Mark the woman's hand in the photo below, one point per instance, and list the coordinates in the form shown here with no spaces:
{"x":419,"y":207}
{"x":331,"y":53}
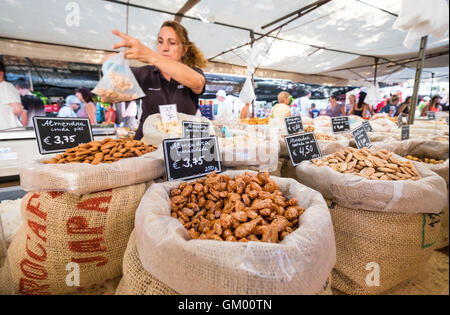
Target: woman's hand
{"x":136,"y":50}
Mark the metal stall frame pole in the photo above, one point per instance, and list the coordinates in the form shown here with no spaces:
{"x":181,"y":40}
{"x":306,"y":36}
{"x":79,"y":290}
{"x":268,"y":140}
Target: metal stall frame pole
{"x":252,"y":38}
{"x":419,"y":66}
{"x":375,"y":74}
{"x":431,"y":88}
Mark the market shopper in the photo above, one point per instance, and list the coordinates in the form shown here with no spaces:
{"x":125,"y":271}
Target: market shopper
{"x":88,"y":109}
{"x":391,"y":107}
{"x":313,"y":112}
{"x":281,"y":109}
{"x":245,"y":112}
{"x":32,"y":105}
{"x":404,"y":107}
{"x":432,"y":105}
{"x":335,"y":109}
{"x":10,"y":105}
{"x":359,"y":108}
{"x":228,"y":105}
{"x":303,"y":106}
{"x":72,"y":104}
{"x":172,"y":74}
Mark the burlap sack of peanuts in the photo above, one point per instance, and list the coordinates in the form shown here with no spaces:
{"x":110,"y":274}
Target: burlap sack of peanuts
{"x":64,"y":233}
{"x":433,"y":149}
{"x":137,"y":281}
{"x":378,"y":250}
{"x":326,"y":147}
{"x":154,"y":135}
{"x":300,"y":264}
{"x":392,"y":223}
{"x":80,"y":178}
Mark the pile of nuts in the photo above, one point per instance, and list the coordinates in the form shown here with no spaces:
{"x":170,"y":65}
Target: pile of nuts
{"x":120,"y":81}
{"x":170,"y":127}
{"x":113,"y":95}
{"x":309,"y":129}
{"x":424,"y":160}
{"x":370,"y":164}
{"x":322,"y":136}
{"x":106,"y":151}
{"x":246,"y":208}
{"x":256,"y":121}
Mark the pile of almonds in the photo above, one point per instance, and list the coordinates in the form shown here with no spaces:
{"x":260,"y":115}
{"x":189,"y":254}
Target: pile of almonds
{"x":424,"y":160}
{"x":370,"y":164}
{"x":106,"y":151}
{"x":247,"y":208}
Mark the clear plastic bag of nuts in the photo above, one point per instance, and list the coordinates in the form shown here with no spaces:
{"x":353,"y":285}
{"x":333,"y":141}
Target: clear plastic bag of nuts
{"x":118,"y":83}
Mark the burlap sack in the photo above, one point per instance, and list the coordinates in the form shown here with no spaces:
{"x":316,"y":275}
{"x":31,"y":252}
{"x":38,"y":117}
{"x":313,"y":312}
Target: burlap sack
{"x":300,"y":264}
{"x":59,"y":228}
{"x":137,"y":281}
{"x":394,"y":224}
{"x":431,"y":149}
{"x":152,"y":135}
{"x":400,"y":244}
{"x":79,"y":178}
{"x":427,"y":195}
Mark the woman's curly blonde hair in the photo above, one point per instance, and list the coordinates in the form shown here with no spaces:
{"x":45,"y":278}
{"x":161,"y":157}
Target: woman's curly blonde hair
{"x":193,"y":57}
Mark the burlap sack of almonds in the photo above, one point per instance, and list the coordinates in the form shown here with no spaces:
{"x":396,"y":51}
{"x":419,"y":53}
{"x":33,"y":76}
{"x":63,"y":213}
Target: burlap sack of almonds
{"x":432,"y":149}
{"x":65,"y":233}
{"x":80,"y":178}
{"x":385,"y":225}
{"x":300,"y":264}
{"x":155,"y":131}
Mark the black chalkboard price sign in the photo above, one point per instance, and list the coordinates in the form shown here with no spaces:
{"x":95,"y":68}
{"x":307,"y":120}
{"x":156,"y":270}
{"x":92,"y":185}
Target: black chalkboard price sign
{"x":431,"y":115}
{"x":195,"y":130}
{"x":405,"y":132}
{"x":302,"y":147}
{"x":54,"y":134}
{"x":367,"y":126}
{"x":340,"y":124}
{"x":294,"y":124}
{"x":191,"y":157}
{"x":361,"y":138}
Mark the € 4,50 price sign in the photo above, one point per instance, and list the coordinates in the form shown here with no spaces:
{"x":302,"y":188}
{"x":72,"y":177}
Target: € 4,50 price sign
{"x":302,"y":147}
{"x":55,"y":134}
{"x":340,"y":124}
{"x":293,"y":124}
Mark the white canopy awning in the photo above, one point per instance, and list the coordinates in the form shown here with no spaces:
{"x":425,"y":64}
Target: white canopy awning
{"x":325,"y":42}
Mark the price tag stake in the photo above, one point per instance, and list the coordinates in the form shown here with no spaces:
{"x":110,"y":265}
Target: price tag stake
{"x":340,"y":124}
{"x":302,"y":147}
{"x":361,"y":138}
{"x":57,"y":134}
{"x":294,"y":124}
{"x":189,"y":158}
{"x":168,"y":113}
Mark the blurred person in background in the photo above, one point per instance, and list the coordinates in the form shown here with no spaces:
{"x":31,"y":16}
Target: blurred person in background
{"x":72,"y":104}
{"x":32,"y":105}
{"x":432,"y":105}
{"x":281,"y":109}
{"x":110,"y":115}
{"x":351,"y":104}
{"x":228,"y":105}
{"x":129,"y":114}
{"x":381,"y":104}
{"x":404,"y":107}
{"x":313,"y":112}
{"x":10,"y":105}
{"x":422,"y":105}
{"x":335,"y":108}
{"x":303,"y":105}
{"x":392,"y":107}
{"x":88,"y":109}
{"x":246,"y":112}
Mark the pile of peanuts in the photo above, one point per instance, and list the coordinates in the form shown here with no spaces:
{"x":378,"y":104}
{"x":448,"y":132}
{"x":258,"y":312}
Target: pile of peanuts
{"x":246,"y":208}
{"x":424,"y":160}
{"x":309,"y":129}
{"x":256,"y":121}
{"x":106,"y":151}
{"x":370,"y":164}
{"x":322,"y":136}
